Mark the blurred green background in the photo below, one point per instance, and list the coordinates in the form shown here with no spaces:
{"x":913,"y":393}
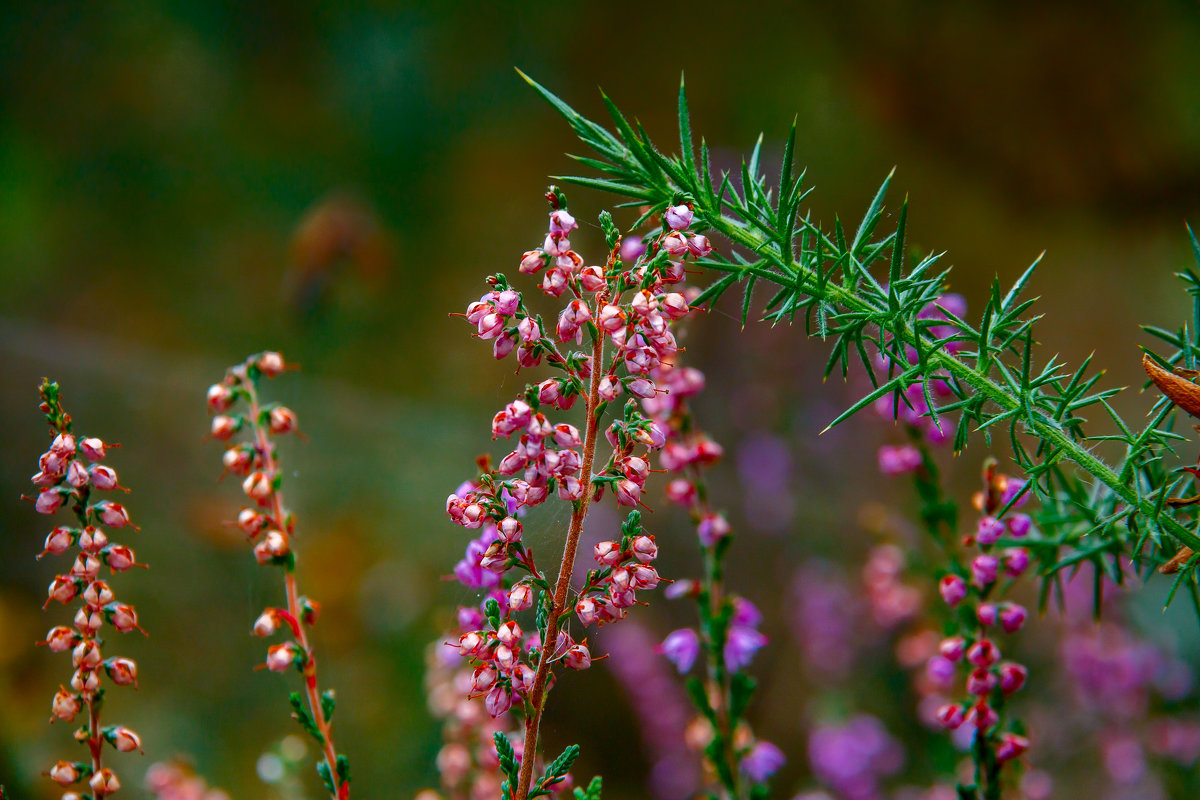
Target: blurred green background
{"x":184,"y":183}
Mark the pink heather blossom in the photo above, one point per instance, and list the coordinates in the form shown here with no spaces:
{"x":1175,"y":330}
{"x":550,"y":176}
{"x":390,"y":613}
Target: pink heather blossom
{"x":678,"y":217}
{"x":951,"y":715}
{"x":1012,"y":677}
{"x":1012,"y":617}
{"x":1011,"y":746}
{"x":1016,"y":560}
{"x":989,"y":531}
{"x":763,"y":761}
{"x":712,"y":528}
{"x":498,"y":700}
{"x":983,"y":570}
{"x":983,"y":653}
{"x":953,"y":589}
{"x":741,"y":644}
{"x":898,"y":460}
{"x":986,"y":613}
{"x":1019,"y":525}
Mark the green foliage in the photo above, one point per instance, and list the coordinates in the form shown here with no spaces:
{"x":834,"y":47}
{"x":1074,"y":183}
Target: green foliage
{"x":302,"y":715}
{"x":1093,"y":511}
{"x":592,"y":792}
{"x":557,"y":770}
{"x":508,"y":763}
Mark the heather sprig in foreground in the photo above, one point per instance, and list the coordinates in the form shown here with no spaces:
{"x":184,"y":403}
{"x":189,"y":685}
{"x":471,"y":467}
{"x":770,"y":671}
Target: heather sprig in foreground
{"x":626,"y":309}
{"x":237,"y":408}
{"x":68,"y":475}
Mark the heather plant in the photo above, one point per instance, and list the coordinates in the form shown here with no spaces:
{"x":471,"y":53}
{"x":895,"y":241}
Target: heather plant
{"x":236,"y":407}
{"x":69,"y":474}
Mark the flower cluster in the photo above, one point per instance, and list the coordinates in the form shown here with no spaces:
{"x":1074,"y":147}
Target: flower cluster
{"x":68,"y":474}
{"x":467,"y":761}
{"x":234,"y":403}
{"x":177,"y":781}
{"x":972,"y":592}
{"x":911,"y":406}
{"x":626,"y":307}
{"x":728,"y":634}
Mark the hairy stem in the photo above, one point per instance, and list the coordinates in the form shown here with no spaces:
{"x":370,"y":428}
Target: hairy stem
{"x":538,"y":695}
{"x":311,"y":690}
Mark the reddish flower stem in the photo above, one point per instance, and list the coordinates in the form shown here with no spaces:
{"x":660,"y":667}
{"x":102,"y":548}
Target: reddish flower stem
{"x":313,"y":694}
{"x":538,"y":695}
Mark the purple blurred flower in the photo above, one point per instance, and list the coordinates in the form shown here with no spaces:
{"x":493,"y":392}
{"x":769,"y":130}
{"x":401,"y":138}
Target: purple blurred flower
{"x":898,"y":459}
{"x":823,"y":613}
{"x":681,"y":648}
{"x":852,"y":758}
{"x":741,"y":643}
{"x":763,"y":761}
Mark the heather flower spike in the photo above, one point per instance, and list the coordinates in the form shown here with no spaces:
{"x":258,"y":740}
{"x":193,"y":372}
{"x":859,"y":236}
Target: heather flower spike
{"x":237,"y":407}
{"x":68,"y":476}
{"x":623,"y":315}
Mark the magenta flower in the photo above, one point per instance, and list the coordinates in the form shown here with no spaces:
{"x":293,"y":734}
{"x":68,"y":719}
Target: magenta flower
{"x":681,"y":648}
{"x":763,"y":761}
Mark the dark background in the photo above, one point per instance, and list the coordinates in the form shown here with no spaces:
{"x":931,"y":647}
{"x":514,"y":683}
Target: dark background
{"x":184,"y":183}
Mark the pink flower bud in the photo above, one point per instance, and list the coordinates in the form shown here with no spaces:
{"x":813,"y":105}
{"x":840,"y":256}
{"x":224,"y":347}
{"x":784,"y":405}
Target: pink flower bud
{"x":1019,"y":525}
{"x":1011,"y":746}
{"x":282,"y":420}
{"x":641,"y":387}
{"x":610,"y":388}
{"x":953,"y":647}
{"x":711,"y":529}
{"x":510,"y":529}
{"x":674,"y":305}
{"x":92,"y":540}
{"x":49,"y":501}
{"x":1012,"y":677}
{"x":86,"y":655}
{"x":643,"y":303}
{"x":281,"y":657}
{"x":510,"y":634}
{"x":1012,"y":617}
{"x":112,"y":514}
{"x":124,"y":740}
{"x":65,"y":705}
{"x":554,"y":282}
{"x":123,"y":618}
{"x":644,"y":549}
{"x":491,"y":326}
{"x":951,"y":716}
{"x":61,"y":638}
{"x":89,"y":620}
{"x":678,"y":217}
{"x":258,"y":487}
{"x":472,"y":644}
{"x":224,"y":427}
{"x":58,"y":541}
{"x":104,"y":478}
{"x":104,"y":782}
{"x":1016,"y":561}
{"x":983,"y":570}
{"x":267,"y":623}
{"x":532,"y":261}
{"x":520,"y":597}
{"x":644,"y":577}
{"x":238,"y":459}
{"x":502,"y":347}
{"x":628,"y":493}
{"x":578,"y":657}
{"x":608,"y":553}
{"x":699,"y":246}
{"x":63,"y":445}
{"x":86,"y":567}
{"x":274,"y":545}
{"x":63,"y":589}
{"x":250,"y":521}
{"x":586,"y":609}
{"x":611,"y":318}
{"x":681,"y":491}
{"x":122,"y":671}
{"x":498,"y":700}
{"x":64,"y":773}
{"x":953,"y":589}
{"x":97,"y":594}
{"x":566,"y":435}
{"x":986,"y":614}
{"x":983,"y":653}
{"x":77,"y":474}
{"x":592,"y":279}
{"x":529,"y":331}
{"x":981,"y":681}
{"x":271,"y":364}
{"x":676,"y":244}
{"x":85,"y":681}
{"x":483,"y":678}
{"x":561,"y":223}
{"x":220,"y":398}
{"x":989,"y":531}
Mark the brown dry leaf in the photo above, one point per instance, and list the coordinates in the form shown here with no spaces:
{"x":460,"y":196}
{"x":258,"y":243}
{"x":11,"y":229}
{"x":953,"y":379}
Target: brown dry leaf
{"x":1178,"y":390}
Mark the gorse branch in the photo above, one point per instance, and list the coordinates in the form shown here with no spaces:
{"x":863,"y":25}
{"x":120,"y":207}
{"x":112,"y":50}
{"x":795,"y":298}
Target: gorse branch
{"x":880,"y":317}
